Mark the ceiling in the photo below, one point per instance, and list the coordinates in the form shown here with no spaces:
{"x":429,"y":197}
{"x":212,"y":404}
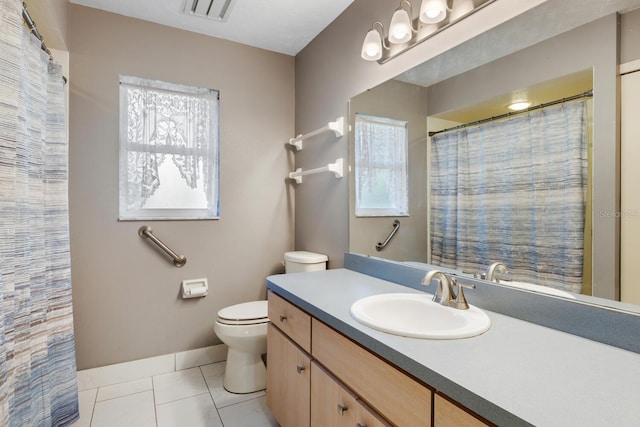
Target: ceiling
{"x":552,"y":90}
{"x":284,"y":26}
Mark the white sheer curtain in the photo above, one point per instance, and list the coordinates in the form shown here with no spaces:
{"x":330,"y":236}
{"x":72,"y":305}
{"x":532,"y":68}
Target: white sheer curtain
{"x":162,"y":121}
{"x":37,"y":356}
{"x":381,"y":146}
{"x":513,"y":191}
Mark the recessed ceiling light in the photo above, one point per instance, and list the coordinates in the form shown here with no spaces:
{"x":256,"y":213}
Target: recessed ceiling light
{"x":519,"y":105}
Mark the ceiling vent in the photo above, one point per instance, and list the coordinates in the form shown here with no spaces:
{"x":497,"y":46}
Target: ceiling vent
{"x":213,"y":9}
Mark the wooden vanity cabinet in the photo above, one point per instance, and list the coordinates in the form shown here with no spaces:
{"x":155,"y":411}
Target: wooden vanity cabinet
{"x":288,"y":380}
{"x":316,"y":377}
{"x":448,"y":414}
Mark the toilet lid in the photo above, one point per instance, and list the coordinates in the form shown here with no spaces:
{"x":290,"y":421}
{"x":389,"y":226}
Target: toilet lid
{"x":248,"y":312}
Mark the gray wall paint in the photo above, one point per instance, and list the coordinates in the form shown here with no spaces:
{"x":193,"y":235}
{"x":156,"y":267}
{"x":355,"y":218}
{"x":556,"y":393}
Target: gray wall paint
{"x":126,"y":294}
{"x":630,"y":36}
{"x":52,"y":20}
{"x":592,"y":46}
{"x":401,"y":101}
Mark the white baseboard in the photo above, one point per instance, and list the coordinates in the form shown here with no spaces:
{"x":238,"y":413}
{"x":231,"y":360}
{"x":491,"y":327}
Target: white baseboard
{"x":128,"y":371}
{"x":201,"y":356}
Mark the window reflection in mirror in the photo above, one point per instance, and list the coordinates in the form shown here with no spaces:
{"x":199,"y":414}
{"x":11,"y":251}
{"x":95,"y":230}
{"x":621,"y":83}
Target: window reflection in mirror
{"x":381,"y":166}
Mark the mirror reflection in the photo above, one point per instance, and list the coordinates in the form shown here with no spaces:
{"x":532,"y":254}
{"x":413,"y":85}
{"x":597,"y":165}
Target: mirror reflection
{"x":519,"y":199}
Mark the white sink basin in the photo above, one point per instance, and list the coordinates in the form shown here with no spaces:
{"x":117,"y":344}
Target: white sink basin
{"x":417,"y":316}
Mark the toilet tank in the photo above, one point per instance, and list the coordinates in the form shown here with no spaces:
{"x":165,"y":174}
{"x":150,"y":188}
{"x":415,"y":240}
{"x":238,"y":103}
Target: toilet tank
{"x":303,"y":261}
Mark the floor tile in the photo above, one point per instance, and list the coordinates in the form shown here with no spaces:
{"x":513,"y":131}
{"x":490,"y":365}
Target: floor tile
{"x":214,"y":376}
{"x":178,"y":385}
{"x":86,"y":400}
{"x":135,"y":410}
{"x":124,"y":389}
{"x":198,"y":411}
{"x":252,"y":413}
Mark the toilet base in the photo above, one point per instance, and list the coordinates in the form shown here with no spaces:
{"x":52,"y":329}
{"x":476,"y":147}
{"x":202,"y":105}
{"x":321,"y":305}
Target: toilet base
{"x":244,"y":372}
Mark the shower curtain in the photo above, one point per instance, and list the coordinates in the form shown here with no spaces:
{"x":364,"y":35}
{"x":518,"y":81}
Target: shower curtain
{"x":513,"y":191}
{"x":38,"y":383}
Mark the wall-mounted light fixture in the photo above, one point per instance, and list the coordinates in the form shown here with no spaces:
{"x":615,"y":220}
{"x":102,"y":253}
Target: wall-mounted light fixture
{"x":406,"y":32}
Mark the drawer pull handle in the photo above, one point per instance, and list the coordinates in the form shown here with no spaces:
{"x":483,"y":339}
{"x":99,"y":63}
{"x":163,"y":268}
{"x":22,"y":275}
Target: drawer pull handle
{"x":361,"y":425}
{"x":283,"y":317}
{"x":342,"y":408}
{"x":300,"y":368}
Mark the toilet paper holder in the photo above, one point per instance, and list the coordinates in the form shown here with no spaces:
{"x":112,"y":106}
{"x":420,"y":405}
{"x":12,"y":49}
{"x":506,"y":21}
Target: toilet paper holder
{"x":195,"y":288}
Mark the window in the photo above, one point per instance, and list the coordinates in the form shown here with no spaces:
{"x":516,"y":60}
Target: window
{"x":381,"y":166}
{"x":169,"y":143}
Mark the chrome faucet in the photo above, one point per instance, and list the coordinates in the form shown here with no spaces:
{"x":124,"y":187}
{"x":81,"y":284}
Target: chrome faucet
{"x":444,"y":294}
{"x":493,"y":268}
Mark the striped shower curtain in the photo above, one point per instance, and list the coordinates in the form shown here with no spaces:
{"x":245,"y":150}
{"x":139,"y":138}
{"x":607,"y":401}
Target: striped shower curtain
{"x":38,"y":384}
{"x":513,"y":191}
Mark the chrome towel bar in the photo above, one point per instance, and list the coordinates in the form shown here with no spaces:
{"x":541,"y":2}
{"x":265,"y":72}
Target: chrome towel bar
{"x":147,"y":233}
{"x":396,"y":227}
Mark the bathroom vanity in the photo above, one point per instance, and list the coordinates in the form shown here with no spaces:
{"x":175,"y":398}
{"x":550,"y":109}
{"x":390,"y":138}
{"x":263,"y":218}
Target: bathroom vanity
{"x":328,"y":379}
{"x":325,"y":368}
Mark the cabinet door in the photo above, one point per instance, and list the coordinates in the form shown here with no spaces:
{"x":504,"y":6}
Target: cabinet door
{"x":288,"y":380}
{"x":446,"y":414}
{"x":333,"y":405}
{"x":397,"y":397}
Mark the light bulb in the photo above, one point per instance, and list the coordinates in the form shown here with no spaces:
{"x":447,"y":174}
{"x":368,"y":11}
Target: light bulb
{"x":372,"y":46}
{"x":519,"y":105}
{"x":433,"y":11}
{"x":400,"y":28}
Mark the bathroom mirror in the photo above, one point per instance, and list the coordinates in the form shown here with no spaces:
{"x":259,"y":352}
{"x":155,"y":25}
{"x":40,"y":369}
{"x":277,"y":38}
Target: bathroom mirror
{"x":553,"y":60}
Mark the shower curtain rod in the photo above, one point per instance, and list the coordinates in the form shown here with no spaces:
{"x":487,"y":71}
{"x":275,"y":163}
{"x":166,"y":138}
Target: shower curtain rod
{"x":34,"y":30}
{"x":586,"y":94}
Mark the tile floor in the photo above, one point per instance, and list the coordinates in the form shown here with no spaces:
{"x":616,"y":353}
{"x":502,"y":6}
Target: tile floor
{"x":192,"y":397}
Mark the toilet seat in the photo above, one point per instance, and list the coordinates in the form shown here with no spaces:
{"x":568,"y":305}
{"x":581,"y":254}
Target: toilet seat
{"x":248,"y":313}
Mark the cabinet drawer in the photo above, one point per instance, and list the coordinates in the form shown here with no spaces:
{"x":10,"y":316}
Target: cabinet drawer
{"x":447,"y":414}
{"x":290,"y":320}
{"x":333,"y":405}
{"x":393,"y":394}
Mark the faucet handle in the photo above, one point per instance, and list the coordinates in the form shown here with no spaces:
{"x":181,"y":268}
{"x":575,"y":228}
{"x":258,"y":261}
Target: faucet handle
{"x":460,"y":301}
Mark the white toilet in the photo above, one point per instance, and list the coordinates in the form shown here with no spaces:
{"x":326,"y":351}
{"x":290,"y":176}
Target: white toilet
{"x":243,"y":328}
